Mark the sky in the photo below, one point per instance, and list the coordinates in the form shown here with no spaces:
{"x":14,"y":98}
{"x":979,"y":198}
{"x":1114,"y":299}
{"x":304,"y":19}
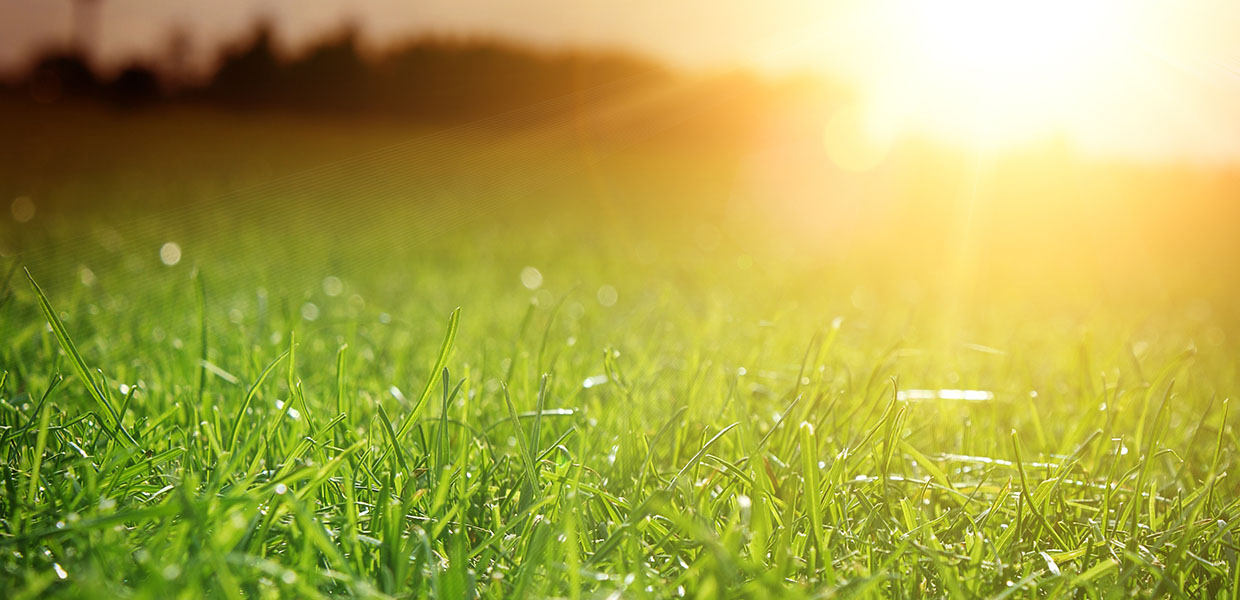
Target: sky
{"x":1147,"y":78}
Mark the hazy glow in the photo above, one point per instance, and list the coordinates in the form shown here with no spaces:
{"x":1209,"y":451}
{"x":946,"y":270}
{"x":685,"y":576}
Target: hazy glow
{"x":1005,"y":47}
{"x":1149,"y":78}
{"x":996,"y":70}
{"x":853,"y":141}
{"x":1145,"y":78}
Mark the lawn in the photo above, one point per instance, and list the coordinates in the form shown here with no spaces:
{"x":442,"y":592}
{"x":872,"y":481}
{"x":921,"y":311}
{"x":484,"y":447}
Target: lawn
{"x":260,"y":356}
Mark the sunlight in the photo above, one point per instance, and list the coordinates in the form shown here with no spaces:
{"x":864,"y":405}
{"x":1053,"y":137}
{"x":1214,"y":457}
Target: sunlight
{"x":998,"y":72}
{"x":993,"y":73}
{"x":1003,"y":47}
{"x":852,"y":141}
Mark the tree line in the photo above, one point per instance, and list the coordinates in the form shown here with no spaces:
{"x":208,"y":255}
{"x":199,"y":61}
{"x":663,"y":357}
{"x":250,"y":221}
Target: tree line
{"x":427,"y":78}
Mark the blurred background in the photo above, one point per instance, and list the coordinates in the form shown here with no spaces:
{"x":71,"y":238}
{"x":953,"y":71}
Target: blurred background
{"x":1056,"y":158}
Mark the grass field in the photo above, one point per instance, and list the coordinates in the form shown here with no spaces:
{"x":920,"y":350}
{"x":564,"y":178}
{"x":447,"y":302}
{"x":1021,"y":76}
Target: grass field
{"x":264,"y":359}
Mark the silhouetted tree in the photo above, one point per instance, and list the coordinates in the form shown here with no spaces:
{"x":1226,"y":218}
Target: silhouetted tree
{"x":134,"y":86}
{"x":250,"y":76}
{"x":61,"y":75}
{"x":331,"y":75}
{"x":426,"y":79}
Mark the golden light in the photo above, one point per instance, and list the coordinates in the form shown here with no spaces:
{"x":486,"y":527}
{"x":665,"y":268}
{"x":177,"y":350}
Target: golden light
{"x":993,"y":72}
{"x":852,"y":141}
{"x":997,"y":47}
{"x":999,"y":69}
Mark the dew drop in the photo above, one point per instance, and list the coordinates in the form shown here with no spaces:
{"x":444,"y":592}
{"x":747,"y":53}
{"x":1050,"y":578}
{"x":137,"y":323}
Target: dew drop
{"x":332,"y":286}
{"x":170,"y":253}
{"x":23,"y":211}
{"x":607,"y":295}
{"x":309,"y":311}
{"x":531,"y":278}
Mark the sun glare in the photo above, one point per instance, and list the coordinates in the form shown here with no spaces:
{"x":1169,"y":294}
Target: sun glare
{"x":998,"y":46}
{"x":993,"y":72}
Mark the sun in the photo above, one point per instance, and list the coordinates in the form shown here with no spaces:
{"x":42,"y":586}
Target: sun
{"x":999,"y":46}
{"x":992,"y":71}
{"x":1004,"y":69}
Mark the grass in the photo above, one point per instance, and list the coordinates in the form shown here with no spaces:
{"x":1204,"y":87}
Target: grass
{"x":338,"y":392}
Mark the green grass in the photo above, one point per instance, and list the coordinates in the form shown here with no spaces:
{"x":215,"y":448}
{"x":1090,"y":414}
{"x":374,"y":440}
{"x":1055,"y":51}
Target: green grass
{"x":341,"y":391}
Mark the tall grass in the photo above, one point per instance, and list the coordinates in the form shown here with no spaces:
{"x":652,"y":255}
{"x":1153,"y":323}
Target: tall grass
{"x":317,"y":403}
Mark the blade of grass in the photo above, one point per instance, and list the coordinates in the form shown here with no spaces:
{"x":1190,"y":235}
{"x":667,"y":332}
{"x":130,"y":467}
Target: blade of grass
{"x":392,"y":439}
{"x":454,"y":321}
{"x":200,"y":296}
{"x":79,"y":365}
{"x":527,"y":458}
{"x":249,"y":399}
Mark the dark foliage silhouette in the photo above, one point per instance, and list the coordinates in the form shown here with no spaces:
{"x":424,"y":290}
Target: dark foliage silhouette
{"x":430,"y":79}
